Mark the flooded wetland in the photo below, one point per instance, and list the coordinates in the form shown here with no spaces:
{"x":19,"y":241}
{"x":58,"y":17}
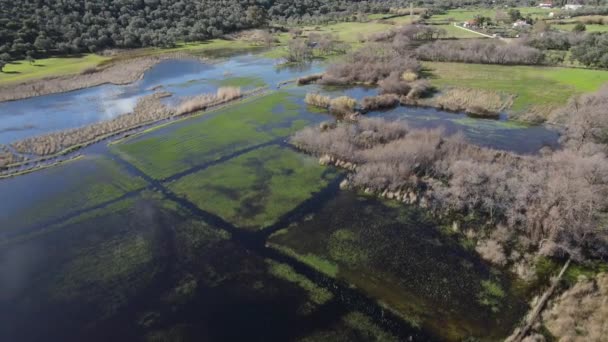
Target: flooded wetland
{"x":214,"y":227}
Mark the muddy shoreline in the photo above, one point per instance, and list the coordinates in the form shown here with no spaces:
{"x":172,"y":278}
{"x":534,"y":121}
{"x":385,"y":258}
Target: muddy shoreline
{"x":119,"y":72}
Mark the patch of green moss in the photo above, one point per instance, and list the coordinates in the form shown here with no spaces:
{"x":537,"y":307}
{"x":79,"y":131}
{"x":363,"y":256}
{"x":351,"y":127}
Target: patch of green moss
{"x":252,"y":191}
{"x":317,"y":295}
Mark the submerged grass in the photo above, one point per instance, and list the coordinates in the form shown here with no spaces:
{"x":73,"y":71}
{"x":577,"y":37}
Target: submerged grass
{"x":244,"y":82}
{"x":317,"y":295}
{"x":393,"y":254}
{"x":175,"y":148}
{"x":252,"y":191}
{"x":55,"y":192}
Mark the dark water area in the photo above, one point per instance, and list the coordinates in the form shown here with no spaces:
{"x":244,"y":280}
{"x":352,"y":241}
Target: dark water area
{"x":125,"y":244}
{"x":499,"y":134}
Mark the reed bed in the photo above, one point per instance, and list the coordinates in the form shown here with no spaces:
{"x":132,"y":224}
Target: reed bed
{"x":474,"y":101}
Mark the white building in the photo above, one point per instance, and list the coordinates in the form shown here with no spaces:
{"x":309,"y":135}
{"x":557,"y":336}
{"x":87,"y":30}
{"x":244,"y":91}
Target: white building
{"x":572,"y":7}
{"x":520,"y":24}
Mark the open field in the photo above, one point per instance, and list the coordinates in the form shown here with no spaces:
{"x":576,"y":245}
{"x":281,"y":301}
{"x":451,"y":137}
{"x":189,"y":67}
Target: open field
{"x":22,"y":70}
{"x":176,"y":148}
{"x":458,"y":33}
{"x":589,"y":28}
{"x":535,"y":88}
{"x":460,"y":15}
{"x":254,"y":190}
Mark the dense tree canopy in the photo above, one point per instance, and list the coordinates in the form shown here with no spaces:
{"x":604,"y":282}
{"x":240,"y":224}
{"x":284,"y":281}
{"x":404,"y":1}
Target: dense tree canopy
{"x":43,"y":27}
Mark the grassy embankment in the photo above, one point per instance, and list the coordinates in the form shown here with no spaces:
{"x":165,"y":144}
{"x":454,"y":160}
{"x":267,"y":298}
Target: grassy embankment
{"x":536,"y":89}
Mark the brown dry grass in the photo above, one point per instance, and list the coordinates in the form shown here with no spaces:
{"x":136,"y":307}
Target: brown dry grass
{"x":474,"y":101}
{"x":7,"y":158}
{"x":342,"y":105}
{"x":203,"y":101}
{"x":148,"y":109}
{"x":317,"y":100}
{"x":580,"y":313}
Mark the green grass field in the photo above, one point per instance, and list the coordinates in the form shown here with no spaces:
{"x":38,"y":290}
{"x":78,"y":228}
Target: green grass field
{"x":458,"y":33}
{"x":536,"y":88}
{"x":175,"y":148}
{"x":23,"y":70}
{"x":254,"y":190}
{"x":589,"y":28}
{"x":460,"y":15}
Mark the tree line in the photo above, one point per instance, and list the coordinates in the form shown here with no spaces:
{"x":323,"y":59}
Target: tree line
{"x":38,"y":28}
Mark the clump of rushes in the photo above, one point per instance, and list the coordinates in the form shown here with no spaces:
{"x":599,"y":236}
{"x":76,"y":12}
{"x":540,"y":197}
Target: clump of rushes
{"x":370,"y":103}
{"x":317,"y":100}
{"x":203,"y":101}
{"x":474,"y":101}
{"x":342,"y":105}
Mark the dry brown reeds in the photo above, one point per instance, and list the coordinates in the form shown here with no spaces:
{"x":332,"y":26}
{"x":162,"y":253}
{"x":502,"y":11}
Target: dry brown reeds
{"x":7,"y":157}
{"x":553,"y":197}
{"x":317,"y":100}
{"x":474,"y":101}
{"x":370,"y":103}
{"x":148,"y":109}
{"x":342,"y":105}
{"x":580,"y":313}
{"x":204,"y":101}
{"x":304,"y":80}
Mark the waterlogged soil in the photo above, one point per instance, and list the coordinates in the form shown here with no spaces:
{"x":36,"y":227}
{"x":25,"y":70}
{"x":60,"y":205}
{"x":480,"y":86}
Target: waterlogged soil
{"x":145,"y":270}
{"x":399,"y":257}
{"x":494,"y":133}
{"x":214,"y":229}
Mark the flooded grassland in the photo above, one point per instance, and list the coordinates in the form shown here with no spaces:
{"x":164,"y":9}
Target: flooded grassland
{"x":214,"y":228}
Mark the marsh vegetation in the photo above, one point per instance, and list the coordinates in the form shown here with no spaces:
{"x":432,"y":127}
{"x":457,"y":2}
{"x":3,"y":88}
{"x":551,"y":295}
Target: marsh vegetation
{"x":160,"y":235}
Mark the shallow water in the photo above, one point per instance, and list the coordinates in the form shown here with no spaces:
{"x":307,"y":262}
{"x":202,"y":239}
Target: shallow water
{"x":494,"y":133}
{"x":167,"y":235}
{"x":44,"y":114}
